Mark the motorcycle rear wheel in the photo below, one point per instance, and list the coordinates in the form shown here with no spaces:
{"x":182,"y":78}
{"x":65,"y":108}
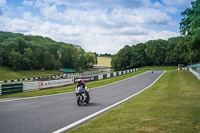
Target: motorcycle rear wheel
{"x":88,"y":100}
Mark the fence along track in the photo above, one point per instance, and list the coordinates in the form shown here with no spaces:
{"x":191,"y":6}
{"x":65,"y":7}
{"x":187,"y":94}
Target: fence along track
{"x":195,"y":69}
{"x":37,"y":85}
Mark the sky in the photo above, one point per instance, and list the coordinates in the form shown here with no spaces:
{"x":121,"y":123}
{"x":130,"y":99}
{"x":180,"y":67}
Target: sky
{"x":101,"y":26}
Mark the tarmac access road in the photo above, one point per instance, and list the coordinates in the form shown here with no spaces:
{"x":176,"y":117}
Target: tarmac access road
{"x":47,"y":114}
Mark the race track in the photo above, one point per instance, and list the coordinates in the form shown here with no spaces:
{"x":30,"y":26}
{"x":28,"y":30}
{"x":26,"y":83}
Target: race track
{"x":50,"y":113}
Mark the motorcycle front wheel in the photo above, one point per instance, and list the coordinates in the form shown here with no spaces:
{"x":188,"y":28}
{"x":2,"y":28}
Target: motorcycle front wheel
{"x":79,"y":100}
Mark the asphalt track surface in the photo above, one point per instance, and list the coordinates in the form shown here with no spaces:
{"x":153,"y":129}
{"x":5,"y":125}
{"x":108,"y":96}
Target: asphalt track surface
{"x":50,"y":113}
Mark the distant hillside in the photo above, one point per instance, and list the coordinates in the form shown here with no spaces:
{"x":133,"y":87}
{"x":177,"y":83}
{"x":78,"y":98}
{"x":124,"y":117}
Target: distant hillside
{"x":104,"y":61}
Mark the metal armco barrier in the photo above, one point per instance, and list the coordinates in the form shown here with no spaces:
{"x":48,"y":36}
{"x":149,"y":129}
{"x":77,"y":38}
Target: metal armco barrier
{"x":11,"y":88}
{"x":96,"y":78}
{"x":111,"y":75}
{"x":195,"y":73}
{"x":104,"y":76}
{"x":117,"y":73}
{"x":195,"y":69}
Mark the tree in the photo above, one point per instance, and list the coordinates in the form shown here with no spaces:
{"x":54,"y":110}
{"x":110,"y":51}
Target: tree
{"x":15,"y":59}
{"x":121,"y":60}
{"x":80,"y":62}
{"x":28,"y":59}
{"x":91,"y":59}
{"x":138,"y":57}
{"x":191,"y":18}
{"x":115,"y":62}
{"x":2,"y":52}
{"x":190,"y":28}
{"x":36,"y":52}
{"x":155,"y":50}
{"x":172,"y":54}
{"x":65,"y":57}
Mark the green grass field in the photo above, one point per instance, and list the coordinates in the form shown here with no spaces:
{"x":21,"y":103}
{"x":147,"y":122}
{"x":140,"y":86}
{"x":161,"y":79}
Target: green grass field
{"x":71,"y":88}
{"x":104,"y":61}
{"x":172,"y":104}
{"x":8,"y":74}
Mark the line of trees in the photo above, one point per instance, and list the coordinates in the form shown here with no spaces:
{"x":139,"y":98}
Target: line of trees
{"x":105,"y":55}
{"x":178,"y":50}
{"x":22,"y":52}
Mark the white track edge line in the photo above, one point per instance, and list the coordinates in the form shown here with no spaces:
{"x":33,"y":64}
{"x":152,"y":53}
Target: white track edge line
{"x":10,"y":100}
{"x":103,"y":110}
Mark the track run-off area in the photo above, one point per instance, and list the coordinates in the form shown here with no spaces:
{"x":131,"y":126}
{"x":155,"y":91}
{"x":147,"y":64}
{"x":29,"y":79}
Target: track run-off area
{"x":60,"y":112}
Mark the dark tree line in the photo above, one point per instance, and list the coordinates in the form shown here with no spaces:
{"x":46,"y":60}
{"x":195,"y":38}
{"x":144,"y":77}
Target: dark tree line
{"x":105,"y":55}
{"x":177,"y":50}
{"x":22,"y":52}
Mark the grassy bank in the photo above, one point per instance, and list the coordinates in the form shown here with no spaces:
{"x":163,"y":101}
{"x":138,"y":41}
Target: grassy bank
{"x":172,"y":104}
{"x":104,"y":61}
{"x":8,"y":74}
{"x":72,"y":87}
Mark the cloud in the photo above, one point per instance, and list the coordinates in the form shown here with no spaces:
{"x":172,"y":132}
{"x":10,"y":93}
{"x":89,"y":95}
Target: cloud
{"x":114,"y":18}
{"x":2,"y":3}
{"x":2,"y":6}
{"x":96,"y":26}
{"x":91,"y":38}
{"x":50,"y":11}
{"x":28,"y":2}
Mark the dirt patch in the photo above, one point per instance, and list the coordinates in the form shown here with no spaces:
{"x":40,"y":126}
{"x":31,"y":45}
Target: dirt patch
{"x":146,"y":119}
{"x":176,"y":122}
{"x":198,"y":127}
{"x":148,"y":129}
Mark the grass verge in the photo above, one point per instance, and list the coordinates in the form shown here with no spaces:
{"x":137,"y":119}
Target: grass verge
{"x":71,"y":88}
{"x":172,"y":104}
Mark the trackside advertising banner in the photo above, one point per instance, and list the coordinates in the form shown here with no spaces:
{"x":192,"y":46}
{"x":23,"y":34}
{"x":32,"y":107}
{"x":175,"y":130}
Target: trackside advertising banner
{"x":85,"y":79}
{"x":54,"y":83}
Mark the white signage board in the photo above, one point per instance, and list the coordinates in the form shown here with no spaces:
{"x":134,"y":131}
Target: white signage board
{"x":55,"y":83}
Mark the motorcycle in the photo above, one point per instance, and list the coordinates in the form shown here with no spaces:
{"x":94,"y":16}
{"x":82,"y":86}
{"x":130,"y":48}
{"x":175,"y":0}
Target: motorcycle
{"x":81,"y":95}
{"x":152,"y":71}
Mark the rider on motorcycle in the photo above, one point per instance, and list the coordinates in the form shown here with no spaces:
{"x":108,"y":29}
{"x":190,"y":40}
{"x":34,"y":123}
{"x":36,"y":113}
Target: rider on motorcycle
{"x":83,"y":85}
{"x":152,"y":71}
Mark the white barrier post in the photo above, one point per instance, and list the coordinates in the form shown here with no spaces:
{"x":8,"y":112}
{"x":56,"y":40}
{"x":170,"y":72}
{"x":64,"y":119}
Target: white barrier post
{"x":114,"y":74}
{"x":108,"y":75}
{"x":100,"y":77}
{"x":120,"y":73}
